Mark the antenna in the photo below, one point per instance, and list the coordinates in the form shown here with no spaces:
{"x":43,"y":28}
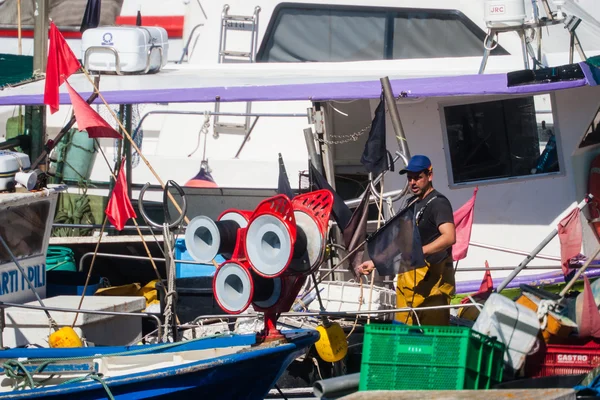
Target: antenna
{"x":509,"y":16}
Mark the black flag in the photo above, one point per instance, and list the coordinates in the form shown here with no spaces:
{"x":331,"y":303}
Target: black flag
{"x":138,"y":18}
{"x":283,"y":184}
{"x":375,"y":157}
{"x":341,"y":212}
{"x":396,"y":247}
{"x":91,"y":16}
{"x":356,"y":232}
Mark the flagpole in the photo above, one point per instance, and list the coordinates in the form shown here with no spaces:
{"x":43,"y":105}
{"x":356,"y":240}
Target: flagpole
{"x":535,"y":251}
{"x":373,"y":273}
{"x":137,"y":149}
{"x":135,"y":223}
{"x":19,"y":33}
{"x":87,"y":279}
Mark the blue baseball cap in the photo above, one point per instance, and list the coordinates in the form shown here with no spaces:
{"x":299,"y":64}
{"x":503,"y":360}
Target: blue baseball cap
{"x":417,"y":163}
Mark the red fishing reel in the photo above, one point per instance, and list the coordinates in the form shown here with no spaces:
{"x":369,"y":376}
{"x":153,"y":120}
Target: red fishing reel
{"x":282,"y":244}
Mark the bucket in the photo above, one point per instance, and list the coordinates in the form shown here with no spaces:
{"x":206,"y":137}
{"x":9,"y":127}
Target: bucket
{"x":74,"y":156}
{"x":194,"y":297}
{"x":68,"y":283}
{"x":60,"y":259}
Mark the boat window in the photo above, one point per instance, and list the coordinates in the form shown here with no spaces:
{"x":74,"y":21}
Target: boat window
{"x":592,"y":135}
{"x":329,"y":33}
{"x":23,"y":228}
{"x":501,"y":139}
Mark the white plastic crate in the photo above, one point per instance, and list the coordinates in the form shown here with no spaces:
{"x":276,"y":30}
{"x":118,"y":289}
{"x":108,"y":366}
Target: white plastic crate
{"x":344,"y":296}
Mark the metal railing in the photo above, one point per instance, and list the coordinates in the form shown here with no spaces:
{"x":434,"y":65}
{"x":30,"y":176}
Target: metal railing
{"x":128,"y":257}
{"x":202,"y":113}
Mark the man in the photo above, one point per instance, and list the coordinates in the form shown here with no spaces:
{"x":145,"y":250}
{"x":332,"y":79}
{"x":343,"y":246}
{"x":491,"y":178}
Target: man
{"x":432,"y":284}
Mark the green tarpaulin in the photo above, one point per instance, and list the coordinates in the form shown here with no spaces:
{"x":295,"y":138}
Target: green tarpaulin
{"x":15,"y":69}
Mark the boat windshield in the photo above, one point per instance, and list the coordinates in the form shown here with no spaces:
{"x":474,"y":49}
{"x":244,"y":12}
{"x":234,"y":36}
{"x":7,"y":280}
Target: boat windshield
{"x":23,"y":228}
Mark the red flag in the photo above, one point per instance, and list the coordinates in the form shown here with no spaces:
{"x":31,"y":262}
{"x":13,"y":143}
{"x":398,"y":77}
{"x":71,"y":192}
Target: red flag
{"x":463,"y":221}
{"x":119,"y":208}
{"x":88,"y":119}
{"x":486,"y":288}
{"x":570,"y":236}
{"x":62,"y":63}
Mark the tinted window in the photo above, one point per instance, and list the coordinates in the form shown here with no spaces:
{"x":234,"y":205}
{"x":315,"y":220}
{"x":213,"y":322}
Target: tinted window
{"x":592,"y":135}
{"x":299,"y":33}
{"x":500,"y":139}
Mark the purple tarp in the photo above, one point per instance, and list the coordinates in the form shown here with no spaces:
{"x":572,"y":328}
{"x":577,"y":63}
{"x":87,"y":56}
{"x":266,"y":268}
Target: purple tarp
{"x":548,"y":278}
{"x":464,"y":85}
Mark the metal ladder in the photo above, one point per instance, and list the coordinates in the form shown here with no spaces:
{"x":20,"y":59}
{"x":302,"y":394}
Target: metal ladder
{"x":240,"y":23}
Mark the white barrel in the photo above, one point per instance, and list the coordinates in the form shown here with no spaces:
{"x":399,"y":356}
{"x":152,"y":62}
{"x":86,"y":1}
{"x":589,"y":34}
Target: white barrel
{"x":504,"y":13}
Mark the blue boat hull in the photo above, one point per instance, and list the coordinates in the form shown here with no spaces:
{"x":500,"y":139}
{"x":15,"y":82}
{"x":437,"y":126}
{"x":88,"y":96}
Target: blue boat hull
{"x":248,"y":374}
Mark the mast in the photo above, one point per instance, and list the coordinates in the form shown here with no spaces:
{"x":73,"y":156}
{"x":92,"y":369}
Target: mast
{"x":35,"y":116}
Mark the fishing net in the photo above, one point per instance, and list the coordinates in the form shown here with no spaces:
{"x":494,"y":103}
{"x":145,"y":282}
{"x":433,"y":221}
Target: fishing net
{"x":137,"y":134}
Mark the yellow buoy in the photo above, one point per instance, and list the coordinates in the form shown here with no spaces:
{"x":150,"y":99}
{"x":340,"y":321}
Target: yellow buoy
{"x":64,"y":337}
{"x":332,"y":346}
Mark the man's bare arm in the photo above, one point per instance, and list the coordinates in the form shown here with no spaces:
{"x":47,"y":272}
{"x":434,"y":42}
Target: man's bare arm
{"x":446,"y":240}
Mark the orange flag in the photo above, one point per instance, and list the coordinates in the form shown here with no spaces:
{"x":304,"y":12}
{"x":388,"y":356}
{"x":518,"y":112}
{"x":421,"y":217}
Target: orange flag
{"x":119,"y":208}
{"x":571,"y":237}
{"x":88,"y":119}
{"x":463,"y":221}
{"x":62,"y":63}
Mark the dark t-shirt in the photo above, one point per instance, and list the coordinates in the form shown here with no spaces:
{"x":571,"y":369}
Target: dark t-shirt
{"x":431,"y":212}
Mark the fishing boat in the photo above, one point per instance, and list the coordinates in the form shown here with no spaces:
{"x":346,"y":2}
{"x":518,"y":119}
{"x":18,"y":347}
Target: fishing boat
{"x":443,"y":115}
{"x":201,"y":367}
{"x":245,"y":171}
{"x":197,"y":366}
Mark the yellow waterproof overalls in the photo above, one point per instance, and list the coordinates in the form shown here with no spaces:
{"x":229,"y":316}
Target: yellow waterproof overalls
{"x":431,"y":285}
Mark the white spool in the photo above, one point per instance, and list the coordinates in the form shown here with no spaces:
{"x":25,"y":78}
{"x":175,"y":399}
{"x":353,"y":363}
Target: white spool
{"x":202,"y":239}
{"x":314,"y":240}
{"x":269,"y":245}
{"x":233,"y":287}
{"x":235,"y":216}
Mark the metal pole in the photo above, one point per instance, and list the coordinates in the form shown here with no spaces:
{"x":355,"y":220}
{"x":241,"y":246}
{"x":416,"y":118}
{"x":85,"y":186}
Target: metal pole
{"x":127,"y":148}
{"x":535,"y":251}
{"x":40,"y":35}
{"x":19,"y":30}
{"x":246,"y":137}
{"x":578,"y":274}
{"x":215,"y":113}
{"x":37,"y":121}
{"x":315,"y":157}
{"x":393,"y":110}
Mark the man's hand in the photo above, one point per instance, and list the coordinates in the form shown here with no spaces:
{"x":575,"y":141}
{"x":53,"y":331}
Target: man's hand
{"x":366,"y":267}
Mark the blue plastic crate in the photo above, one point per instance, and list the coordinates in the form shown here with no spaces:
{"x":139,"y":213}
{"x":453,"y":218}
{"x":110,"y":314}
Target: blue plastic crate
{"x":183,"y":270}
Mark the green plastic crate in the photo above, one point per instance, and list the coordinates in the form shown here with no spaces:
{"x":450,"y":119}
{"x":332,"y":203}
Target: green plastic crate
{"x":402,"y":357}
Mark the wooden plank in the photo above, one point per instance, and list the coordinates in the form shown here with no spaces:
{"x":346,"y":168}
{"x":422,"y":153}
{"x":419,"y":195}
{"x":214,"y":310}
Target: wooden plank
{"x":494,"y":394}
